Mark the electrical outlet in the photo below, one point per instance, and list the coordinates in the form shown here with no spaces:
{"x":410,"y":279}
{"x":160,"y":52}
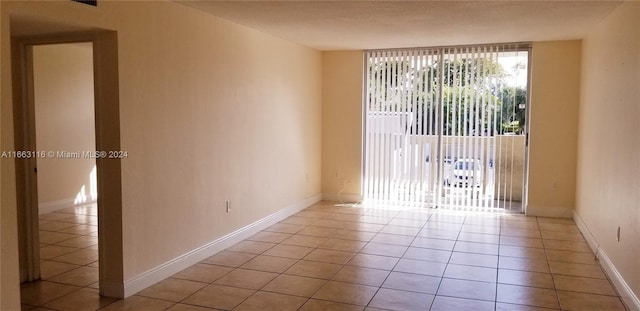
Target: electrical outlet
{"x":228,"y":205}
{"x":618,"y":234}
{"x":337,"y":174}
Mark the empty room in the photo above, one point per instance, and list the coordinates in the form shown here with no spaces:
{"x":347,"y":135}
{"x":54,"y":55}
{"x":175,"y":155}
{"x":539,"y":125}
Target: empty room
{"x":320,"y":155}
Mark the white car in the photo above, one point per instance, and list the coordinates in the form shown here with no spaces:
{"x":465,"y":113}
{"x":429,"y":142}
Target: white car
{"x":467,"y":172}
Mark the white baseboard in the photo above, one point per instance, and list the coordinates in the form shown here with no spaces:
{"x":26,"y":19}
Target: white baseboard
{"x":629,"y":298}
{"x":342,"y":197}
{"x":549,"y":211}
{"x":188,"y":259}
{"x":48,"y":207}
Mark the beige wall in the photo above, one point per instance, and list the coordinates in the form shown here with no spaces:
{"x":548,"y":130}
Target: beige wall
{"x":2,"y":241}
{"x":608,"y":189}
{"x":342,"y":124}
{"x":63,"y":93}
{"x":9,"y":271}
{"x":229,"y":114}
{"x":209,"y":111}
{"x":555,"y":92}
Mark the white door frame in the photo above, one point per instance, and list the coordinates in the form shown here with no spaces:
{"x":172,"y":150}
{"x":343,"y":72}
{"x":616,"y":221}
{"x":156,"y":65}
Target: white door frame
{"x":107,"y":131}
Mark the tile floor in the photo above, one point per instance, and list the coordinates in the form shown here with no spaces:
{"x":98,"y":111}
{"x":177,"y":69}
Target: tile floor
{"x":330,"y":257}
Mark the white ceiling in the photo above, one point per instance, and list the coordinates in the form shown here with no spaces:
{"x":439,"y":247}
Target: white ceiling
{"x":346,"y":25}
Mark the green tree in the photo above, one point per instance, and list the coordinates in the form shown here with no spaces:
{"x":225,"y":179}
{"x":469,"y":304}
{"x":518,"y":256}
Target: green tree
{"x":388,"y":78}
{"x":474,"y":100}
{"x":470,"y":95}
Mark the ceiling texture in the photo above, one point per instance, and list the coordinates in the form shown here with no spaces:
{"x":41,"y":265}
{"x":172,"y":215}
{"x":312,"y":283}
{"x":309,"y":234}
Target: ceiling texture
{"x":357,"y":25}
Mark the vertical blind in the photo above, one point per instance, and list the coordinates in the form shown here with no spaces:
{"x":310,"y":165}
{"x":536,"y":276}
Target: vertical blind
{"x":446,"y":126}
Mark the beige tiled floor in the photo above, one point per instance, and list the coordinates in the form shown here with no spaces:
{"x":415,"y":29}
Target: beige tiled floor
{"x":331,"y":257}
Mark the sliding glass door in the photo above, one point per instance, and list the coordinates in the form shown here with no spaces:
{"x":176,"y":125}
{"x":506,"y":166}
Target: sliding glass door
{"x":446,"y":126}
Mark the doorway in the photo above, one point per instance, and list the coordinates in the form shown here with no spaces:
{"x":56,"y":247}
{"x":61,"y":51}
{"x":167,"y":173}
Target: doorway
{"x":447,"y":127}
{"x":62,"y":87}
{"x":74,"y":215}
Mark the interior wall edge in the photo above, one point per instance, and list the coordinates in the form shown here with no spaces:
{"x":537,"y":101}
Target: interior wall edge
{"x":586,"y":233}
